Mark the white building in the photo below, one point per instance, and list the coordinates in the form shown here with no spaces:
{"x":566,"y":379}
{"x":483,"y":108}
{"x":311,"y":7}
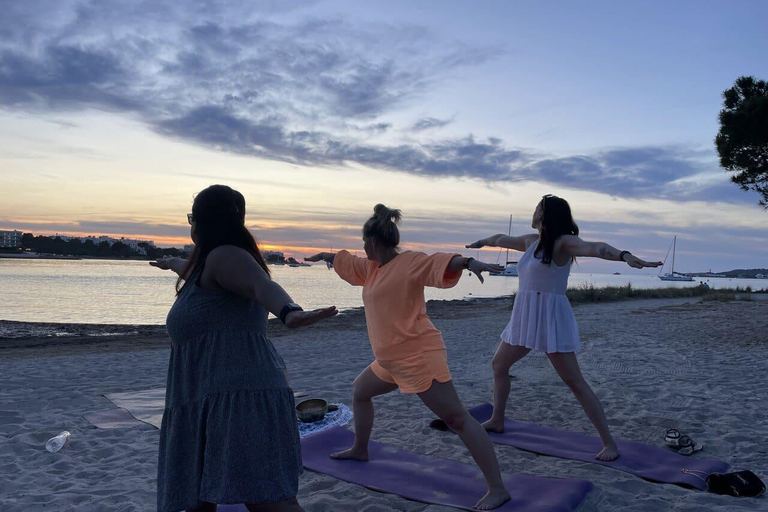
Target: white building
{"x":133,"y":243}
{"x":10,"y":238}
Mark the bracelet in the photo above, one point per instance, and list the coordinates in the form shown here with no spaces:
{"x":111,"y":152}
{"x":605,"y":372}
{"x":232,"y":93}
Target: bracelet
{"x":291,"y":306}
{"x":466,"y":263}
{"x":621,"y":255}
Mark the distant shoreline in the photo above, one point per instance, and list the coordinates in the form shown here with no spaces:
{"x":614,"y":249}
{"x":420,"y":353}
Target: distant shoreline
{"x":57,"y":332}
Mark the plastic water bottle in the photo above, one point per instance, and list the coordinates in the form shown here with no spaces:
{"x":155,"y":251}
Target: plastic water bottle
{"x":55,"y":444}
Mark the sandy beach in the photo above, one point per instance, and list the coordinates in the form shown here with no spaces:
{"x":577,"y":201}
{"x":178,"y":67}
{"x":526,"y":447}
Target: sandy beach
{"x":697,"y":366}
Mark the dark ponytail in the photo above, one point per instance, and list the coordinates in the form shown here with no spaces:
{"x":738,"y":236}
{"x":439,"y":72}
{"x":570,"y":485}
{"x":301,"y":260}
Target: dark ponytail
{"x":383,"y":226}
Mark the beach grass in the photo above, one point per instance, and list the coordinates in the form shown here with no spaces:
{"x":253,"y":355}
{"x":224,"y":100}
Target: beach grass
{"x":587,"y":293}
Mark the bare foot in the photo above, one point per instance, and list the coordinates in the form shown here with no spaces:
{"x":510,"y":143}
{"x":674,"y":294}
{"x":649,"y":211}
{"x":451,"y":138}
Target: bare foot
{"x":351,"y":454}
{"x":493,"y":499}
{"x":496,"y":426}
{"x":609,"y":453}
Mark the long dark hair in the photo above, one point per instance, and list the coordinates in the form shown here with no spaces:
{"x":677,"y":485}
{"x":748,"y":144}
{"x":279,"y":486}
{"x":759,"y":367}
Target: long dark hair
{"x":556,"y":221}
{"x":219,"y":216}
{"x":383,"y":226}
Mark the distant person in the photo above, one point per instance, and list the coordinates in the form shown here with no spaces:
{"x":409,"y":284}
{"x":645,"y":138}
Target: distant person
{"x":409,"y":351}
{"x":229,"y":432}
{"x":542,"y":318}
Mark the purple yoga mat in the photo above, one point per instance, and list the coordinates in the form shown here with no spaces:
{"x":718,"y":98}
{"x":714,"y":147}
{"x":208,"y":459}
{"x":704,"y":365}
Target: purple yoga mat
{"x":430,"y":480}
{"x":437,"y":481}
{"x":648,"y":462}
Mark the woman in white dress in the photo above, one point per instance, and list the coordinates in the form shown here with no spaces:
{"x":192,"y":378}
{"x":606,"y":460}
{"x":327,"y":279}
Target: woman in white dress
{"x":542,"y":318}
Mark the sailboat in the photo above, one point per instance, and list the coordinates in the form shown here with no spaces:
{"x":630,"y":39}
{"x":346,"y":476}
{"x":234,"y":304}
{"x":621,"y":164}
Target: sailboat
{"x":510,"y":267}
{"x":673,"y":276}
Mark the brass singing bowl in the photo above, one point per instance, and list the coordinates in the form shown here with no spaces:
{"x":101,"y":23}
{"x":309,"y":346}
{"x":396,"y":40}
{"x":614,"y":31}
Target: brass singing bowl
{"x":311,"y":410}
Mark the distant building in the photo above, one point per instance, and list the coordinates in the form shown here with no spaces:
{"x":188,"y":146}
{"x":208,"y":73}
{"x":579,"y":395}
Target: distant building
{"x":133,"y":243}
{"x":10,"y":239}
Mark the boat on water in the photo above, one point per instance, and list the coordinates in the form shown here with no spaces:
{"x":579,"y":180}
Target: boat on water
{"x":293,"y":262}
{"x":672,"y":275}
{"x":510,"y":267}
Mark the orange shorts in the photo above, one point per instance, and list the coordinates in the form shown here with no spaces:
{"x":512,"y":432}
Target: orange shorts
{"x":414,"y":374}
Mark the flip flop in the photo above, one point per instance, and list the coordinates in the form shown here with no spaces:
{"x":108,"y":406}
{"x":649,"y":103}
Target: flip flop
{"x":672,"y":438}
{"x":688,"y":446}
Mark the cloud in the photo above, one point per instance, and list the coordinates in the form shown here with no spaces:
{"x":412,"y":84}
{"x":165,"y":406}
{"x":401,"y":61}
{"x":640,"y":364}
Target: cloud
{"x":220,"y":128}
{"x":674,"y":173}
{"x":429,"y":123}
{"x":227,"y":76}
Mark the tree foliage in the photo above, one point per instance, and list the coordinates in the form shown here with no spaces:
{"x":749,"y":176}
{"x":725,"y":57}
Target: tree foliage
{"x":742,"y":141}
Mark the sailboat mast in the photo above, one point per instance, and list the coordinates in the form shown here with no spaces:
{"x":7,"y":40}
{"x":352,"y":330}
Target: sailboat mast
{"x":674,"y":247}
{"x":509,"y":233}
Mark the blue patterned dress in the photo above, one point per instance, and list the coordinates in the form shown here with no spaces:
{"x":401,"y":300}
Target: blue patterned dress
{"x":229,"y":431}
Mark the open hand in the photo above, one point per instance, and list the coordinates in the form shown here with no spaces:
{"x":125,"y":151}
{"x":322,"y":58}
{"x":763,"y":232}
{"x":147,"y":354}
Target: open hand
{"x":634,"y":261}
{"x":478,"y":267}
{"x":475,"y":245}
{"x":295,"y":319}
{"x":163,"y":263}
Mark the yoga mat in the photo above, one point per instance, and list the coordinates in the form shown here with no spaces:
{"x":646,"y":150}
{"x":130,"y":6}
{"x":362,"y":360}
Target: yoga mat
{"x":436,"y":481}
{"x":648,"y":462}
{"x":148,"y":405}
{"x":112,"y":418}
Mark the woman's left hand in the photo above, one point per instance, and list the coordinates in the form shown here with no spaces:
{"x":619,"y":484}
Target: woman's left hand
{"x":478,"y":267}
{"x":634,"y":261}
{"x":295,"y":319}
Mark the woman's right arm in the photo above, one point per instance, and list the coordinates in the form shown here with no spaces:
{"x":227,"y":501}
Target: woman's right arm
{"x":322,"y":256}
{"x":518,"y":243}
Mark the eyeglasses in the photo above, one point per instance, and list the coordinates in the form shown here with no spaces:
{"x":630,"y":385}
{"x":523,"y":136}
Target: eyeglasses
{"x":190,"y":218}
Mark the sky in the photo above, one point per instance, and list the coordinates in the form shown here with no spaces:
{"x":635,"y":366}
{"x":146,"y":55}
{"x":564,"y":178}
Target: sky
{"x":457,"y":113}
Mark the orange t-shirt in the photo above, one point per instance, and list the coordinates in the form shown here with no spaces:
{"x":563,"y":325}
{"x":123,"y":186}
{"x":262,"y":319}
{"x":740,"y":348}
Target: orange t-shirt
{"x":393,"y":295}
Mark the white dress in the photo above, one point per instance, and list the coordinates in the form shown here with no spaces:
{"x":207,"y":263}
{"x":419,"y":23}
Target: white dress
{"x":542,"y":318}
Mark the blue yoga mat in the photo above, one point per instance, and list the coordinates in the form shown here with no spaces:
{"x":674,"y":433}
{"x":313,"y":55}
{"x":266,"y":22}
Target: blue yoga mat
{"x":648,"y":462}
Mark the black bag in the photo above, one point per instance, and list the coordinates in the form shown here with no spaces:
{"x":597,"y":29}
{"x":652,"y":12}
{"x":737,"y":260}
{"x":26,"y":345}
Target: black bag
{"x":740,"y":483}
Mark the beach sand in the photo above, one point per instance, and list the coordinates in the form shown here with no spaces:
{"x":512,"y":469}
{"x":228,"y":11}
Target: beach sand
{"x":655,"y":364}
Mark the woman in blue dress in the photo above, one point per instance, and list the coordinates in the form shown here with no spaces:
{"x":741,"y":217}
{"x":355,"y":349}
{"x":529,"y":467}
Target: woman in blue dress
{"x":229,"y":432}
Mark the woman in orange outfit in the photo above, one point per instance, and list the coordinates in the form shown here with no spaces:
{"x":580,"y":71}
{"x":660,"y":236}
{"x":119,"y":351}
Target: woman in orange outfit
{"x":410,"y":352}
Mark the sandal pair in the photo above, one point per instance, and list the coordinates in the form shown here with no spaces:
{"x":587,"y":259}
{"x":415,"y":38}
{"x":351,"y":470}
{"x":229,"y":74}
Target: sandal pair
{"x":682,"y":443}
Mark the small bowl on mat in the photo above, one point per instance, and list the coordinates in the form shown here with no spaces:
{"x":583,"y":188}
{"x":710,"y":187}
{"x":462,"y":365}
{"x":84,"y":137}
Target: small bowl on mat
{"x":311,"y":410}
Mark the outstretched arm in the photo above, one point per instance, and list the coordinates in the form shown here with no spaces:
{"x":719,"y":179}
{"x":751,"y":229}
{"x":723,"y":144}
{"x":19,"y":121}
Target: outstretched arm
{"x":459,"y":263}
{"x":322,"y":256}
{"x":236,"y":271}
{"x":168,"y":263}
{"x":575,"y":246}
{"x":518,"y":243}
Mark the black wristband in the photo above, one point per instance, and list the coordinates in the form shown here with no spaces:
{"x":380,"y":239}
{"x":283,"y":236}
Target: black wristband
{"x":287,"y":309}
{"x":469,"y":260}
{"x":621,"y":255}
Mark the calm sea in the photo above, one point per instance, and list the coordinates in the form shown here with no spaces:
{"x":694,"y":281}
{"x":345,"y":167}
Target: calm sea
{"x":132,"y":292}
